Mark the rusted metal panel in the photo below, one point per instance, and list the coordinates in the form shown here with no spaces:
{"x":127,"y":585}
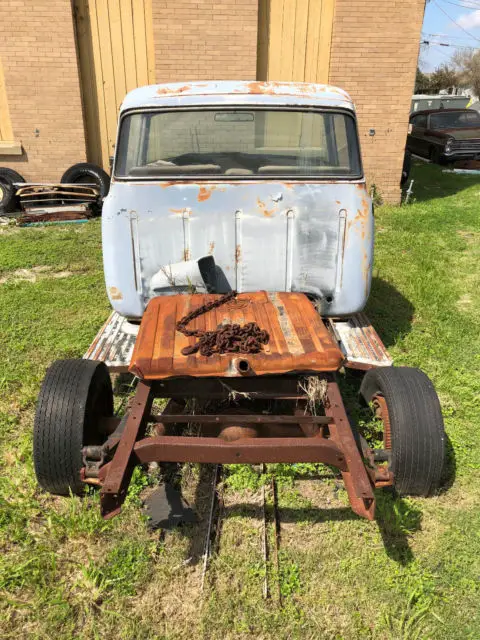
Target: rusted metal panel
{"x":115,"y":483}
{"x":114,"y":343}
{"x":225,"y":92}
{"x":246,"y":418}
{"x":245,"y":451}
{"x":314,"y":237}
{"x":359,"y":470}
{"x":299,"y":341}
{"x":360,"y":343}
{"x":283,"y":387}
{"x":357,"y":481}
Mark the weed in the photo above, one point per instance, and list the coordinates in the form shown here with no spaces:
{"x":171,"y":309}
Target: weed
{"x":289,"y":576}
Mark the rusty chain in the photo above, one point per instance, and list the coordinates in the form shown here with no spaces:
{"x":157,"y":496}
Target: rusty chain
{"x":228,"y":338}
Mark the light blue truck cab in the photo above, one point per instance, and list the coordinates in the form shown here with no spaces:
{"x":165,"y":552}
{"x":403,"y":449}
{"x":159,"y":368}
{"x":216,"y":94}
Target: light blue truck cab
{"x":238,"y":185}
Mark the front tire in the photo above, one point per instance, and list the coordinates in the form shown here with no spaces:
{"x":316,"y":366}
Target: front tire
{"x":74,"y":397}
{"x":413,"y":426}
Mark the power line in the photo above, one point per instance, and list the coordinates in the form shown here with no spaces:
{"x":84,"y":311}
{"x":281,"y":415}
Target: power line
{"x":455,"y":22}
{"x":444,"y":35}
{"x":471,"y":4}
{"x":449,"y":44}
{"x":442,"y":53}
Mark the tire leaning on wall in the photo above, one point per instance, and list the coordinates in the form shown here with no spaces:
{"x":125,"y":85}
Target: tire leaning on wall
{"x":8,"y":198}
{"x":86,"y":172}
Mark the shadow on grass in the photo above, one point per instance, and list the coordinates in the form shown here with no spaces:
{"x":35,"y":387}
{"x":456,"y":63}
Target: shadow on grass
{"x":397,"y":519}
{"x":431,"y":183}
{"x":390,"y":313}
{"x":450,"y":466}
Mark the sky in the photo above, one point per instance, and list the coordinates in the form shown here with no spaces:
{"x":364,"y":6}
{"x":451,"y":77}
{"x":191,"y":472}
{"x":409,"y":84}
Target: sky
{"x":439,"y":27}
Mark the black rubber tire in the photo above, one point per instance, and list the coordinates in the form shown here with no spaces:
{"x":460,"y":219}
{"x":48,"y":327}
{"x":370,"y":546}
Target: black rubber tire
{"x":8,"y":199}
{"x":416,"y":423}
{"x":435,"y":156}
{"x":407,"y":165}
{"x":74,"y":395}
{"x":85,"y":172}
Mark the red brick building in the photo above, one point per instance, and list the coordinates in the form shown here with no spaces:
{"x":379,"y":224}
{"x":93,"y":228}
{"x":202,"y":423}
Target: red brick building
{"x":66,"y":65}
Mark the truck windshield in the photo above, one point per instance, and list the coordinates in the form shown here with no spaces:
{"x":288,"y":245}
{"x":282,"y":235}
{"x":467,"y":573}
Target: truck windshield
{"x":237,"y":142}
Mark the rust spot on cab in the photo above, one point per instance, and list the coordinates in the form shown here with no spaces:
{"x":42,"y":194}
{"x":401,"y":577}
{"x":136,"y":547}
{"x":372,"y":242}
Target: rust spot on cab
{"x":211,"y":247}
{"x":186,"y":255}
{"x":365,"y":271}
{"x":115,"y":294}
{"x":238,"y":253}
{"x":263,"y":208}
{"x":177,"y":211}
{"x":163,"y":91}
{"x":205,"y":193}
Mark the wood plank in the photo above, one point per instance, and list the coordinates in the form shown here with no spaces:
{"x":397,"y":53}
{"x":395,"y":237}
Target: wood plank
{"x":6,"y":131}
{"x":149,"y":41}
{"x":97,"y":70}
{"x":313,"y":37}
{"x":288,"y":40}
{"x":108,"y":73}
{"x":83,"y":27}
{"x":300,"y":42}
{"x":326,"y":28}
{"x":118,"y":60}
{"x":275,"y":48}
{"x":262,"y":42}
{"x":128,"y":45}
{"x":140,"y":42}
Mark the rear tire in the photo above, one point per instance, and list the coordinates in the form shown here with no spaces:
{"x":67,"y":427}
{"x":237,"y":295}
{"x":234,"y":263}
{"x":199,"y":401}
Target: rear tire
{"x":8,"y":199}
{"x":417,"y":434}
{"x":74,"y":396}
{"x":86,"y":172}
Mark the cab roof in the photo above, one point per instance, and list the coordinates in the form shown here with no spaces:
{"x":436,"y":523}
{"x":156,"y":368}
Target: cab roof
{"x":228,"y":92}
{"x":428,"y":112}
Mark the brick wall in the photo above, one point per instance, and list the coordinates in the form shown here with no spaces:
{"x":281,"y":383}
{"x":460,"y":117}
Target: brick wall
{"x":374,"y":52}
{"x":205,"y":39}
{"x":37,"y":47}
{"x":374,"y":57}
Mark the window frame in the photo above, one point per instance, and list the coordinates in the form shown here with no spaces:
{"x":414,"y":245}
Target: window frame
{"x":238,"y":178}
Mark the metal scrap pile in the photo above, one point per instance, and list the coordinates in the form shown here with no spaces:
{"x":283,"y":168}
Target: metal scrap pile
{"x":57,"y":202}
{"x":229,"y":338}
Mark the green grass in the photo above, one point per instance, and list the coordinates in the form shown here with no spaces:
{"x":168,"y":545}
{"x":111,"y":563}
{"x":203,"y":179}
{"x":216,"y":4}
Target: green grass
{"x":415,"y":573}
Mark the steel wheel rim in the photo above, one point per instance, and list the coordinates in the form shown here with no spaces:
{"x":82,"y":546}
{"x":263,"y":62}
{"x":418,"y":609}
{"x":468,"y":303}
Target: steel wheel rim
{"x":381,"y":412}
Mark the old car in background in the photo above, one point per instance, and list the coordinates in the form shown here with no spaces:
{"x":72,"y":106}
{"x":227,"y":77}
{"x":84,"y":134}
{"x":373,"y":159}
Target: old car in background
{"x":445,"y":135}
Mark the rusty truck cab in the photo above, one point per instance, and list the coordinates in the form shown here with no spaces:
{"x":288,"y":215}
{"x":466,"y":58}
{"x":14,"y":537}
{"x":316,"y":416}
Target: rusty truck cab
{"x":238,"y":185}
{"x":237,"y":246}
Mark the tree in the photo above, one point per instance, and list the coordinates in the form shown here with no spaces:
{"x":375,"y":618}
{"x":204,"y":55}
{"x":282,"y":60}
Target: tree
{"x":422,"y":82}
{"x":443,"y":77}
{"x":467,"y":63}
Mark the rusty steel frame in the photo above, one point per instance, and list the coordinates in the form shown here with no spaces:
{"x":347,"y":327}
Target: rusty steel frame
{"x":130,"y":447}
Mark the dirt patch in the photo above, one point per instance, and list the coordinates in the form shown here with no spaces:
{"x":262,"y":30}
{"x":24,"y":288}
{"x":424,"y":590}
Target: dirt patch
{"x":464,"y":302}
{"x":34,"y":274}
{"x":469,"y":236}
